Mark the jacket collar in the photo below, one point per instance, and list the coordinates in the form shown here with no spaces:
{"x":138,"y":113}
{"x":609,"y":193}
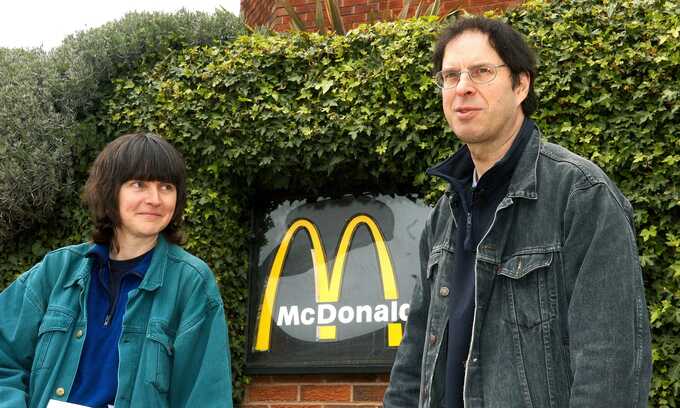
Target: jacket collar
{"x":523,"y":181}
{"x":153,"y":278}
{"x":457,"y":169}
{"x":155,"y":275}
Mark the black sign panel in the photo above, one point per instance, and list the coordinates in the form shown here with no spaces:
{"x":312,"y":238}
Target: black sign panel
{"x":331,"y":285}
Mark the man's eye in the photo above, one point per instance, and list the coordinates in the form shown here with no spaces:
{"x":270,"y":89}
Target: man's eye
{"x":451,"y":74}
{"x":483,"y":70}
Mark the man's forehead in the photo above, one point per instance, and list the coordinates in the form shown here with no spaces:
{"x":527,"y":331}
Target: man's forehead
{"x":470,"y":46}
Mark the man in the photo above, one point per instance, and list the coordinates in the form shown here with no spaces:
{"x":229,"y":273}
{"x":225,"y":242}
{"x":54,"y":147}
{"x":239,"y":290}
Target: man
{"x":530,"y":293}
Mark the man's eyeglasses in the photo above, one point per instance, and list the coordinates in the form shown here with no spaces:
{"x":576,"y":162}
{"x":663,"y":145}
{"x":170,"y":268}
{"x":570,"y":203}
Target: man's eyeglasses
{"x":480,"y":74}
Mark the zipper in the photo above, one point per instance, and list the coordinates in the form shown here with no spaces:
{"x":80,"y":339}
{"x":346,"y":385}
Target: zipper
{"x":113,"y":299}
{"x":474,"y":315}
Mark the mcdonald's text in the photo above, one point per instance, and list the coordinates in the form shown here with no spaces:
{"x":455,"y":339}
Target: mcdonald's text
{"x":327,"y":313}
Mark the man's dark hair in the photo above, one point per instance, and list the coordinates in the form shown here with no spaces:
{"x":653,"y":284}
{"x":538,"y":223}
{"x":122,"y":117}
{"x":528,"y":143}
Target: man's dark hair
{"x":135,"y":156}
{"x":508,"y":43}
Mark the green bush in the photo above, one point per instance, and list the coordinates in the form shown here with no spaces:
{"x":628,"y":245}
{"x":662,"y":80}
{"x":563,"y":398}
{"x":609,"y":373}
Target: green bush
{"x":88,"y":60}
{"x":50,"y":103}
{"x":609,"y":87}
{"x":35,"y":163}
{"x":267,"y":118}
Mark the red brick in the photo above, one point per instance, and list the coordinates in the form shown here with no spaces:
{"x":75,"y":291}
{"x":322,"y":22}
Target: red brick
{"x":295,"y":406}
{"x":360,"y":8}
{"x":257,"y":379}
{"x":300,"y":378}
{"x":335,"y":392}
{"x":352,"y":378}
{"x":369,"y":392}
{"x":272,"y":393}
{"x":351,"y":406}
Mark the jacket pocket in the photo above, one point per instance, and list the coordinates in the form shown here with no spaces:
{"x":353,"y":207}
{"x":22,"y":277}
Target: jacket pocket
{"x":528,"y":307}
{"x":159,"y":356}
{"x":527,"y":288}
{"x":54,"y":326}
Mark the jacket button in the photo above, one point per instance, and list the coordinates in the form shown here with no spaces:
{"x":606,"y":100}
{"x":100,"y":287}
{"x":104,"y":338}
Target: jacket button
{"x":79,"y":334}
{"x":433,"y":339}
{"x":443,"y":291}
{"x":60,"y":392}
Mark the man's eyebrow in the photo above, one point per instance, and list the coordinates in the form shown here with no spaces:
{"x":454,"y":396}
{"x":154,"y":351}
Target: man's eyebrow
{"x":477,"y":65}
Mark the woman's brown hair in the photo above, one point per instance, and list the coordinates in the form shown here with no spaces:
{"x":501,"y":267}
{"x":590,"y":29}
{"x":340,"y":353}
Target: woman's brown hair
{"x":135,"y":156}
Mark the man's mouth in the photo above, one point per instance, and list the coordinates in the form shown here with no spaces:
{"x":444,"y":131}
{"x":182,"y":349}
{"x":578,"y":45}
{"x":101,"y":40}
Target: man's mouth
{"x":465,"y":112}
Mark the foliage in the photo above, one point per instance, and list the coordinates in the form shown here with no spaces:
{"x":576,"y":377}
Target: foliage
{"x":34,"y":162}
{"x":50,"y":102}
{"x":609,"y":86}
{"x":88,"y":60}
{"x":290,"y":115}
{"x":299,"y":115}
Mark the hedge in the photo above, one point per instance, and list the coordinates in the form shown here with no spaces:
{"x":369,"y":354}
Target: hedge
{"x":35,"y":163}
{"x":50,"y":102}
{"x":272,"y":117}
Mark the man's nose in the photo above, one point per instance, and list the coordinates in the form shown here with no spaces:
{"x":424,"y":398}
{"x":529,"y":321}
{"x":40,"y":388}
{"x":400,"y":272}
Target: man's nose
{"x":465,"y":86}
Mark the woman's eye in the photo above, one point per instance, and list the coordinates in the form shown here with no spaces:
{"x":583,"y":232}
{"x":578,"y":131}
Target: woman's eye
{"x":168,"y":187}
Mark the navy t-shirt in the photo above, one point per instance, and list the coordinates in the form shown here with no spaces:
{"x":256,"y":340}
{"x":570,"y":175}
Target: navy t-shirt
{"x":96,"y":380}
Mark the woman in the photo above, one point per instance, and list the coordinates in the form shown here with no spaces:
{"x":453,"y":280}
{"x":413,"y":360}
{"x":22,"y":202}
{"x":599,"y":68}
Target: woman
{"x":130,"y":318}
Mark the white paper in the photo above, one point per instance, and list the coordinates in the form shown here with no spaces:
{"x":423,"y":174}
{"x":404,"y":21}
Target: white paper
{"x":62,"y":404}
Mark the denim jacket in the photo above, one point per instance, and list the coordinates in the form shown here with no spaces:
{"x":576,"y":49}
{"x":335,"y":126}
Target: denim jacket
{"x":173,"y":349}
{"x":560,"y":315}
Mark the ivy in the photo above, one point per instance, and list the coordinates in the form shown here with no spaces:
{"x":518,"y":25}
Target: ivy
{"x":294,"y":115}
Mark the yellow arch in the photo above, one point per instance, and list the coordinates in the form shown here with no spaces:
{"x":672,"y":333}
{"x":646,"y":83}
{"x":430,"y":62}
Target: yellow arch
{"x":326,"y":290}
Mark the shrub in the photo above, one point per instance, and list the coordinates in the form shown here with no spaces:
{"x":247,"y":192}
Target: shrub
{"x":267,"y":118}
{"x":49,"y":117}
{"x":34,"y":160}
{"x":88,"y":60}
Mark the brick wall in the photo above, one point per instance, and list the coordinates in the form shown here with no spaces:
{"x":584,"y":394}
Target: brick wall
{"x":354,"y":12}
{"x":316,"y":391}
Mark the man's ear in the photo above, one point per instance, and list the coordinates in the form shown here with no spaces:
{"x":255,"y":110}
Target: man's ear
{"x":522,"y":87}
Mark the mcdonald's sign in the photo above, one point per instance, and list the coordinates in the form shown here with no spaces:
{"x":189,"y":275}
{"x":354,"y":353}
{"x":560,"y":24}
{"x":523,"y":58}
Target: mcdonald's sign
{"x":332,"y":283}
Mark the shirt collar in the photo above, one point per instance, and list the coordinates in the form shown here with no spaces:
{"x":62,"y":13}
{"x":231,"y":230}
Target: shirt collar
{"x":457,"y":169}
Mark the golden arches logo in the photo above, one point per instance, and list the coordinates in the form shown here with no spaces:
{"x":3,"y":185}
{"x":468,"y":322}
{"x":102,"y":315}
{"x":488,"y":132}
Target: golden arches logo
{"x":327,"y":288}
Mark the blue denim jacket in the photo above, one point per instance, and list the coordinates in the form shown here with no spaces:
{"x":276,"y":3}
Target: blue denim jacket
{"x":174,"y":349}
{"x":560,"y":315}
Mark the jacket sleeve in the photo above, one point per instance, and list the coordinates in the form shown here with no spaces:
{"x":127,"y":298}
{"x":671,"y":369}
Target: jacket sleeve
{"x":20,"y":317}
{"x":403,"y":390}
{"x":608,"y":322}
{"x":201,"y":363}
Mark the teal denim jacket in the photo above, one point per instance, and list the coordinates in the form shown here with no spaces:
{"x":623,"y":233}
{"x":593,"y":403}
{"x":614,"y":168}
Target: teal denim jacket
{"x":560,"y":315}
{"x":173,"y":349}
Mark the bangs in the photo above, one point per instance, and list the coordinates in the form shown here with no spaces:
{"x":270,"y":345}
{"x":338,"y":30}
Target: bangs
{"x":148,"y":158}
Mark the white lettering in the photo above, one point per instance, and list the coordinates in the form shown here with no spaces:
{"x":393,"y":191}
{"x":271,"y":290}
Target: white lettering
{"x":393,"y":311}
{"x":288,"y":317}
{"x":307,"y":316}
{"x":403,"y":311}
{"x":327,"y":313}
{"x":364,"y":313}
{"x":346,"y":314}
{"x":381,"y":314}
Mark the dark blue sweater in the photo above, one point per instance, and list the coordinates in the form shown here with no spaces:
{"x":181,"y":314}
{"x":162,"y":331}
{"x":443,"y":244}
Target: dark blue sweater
{"x":96,"y":380}
{"x":474,"y":209}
